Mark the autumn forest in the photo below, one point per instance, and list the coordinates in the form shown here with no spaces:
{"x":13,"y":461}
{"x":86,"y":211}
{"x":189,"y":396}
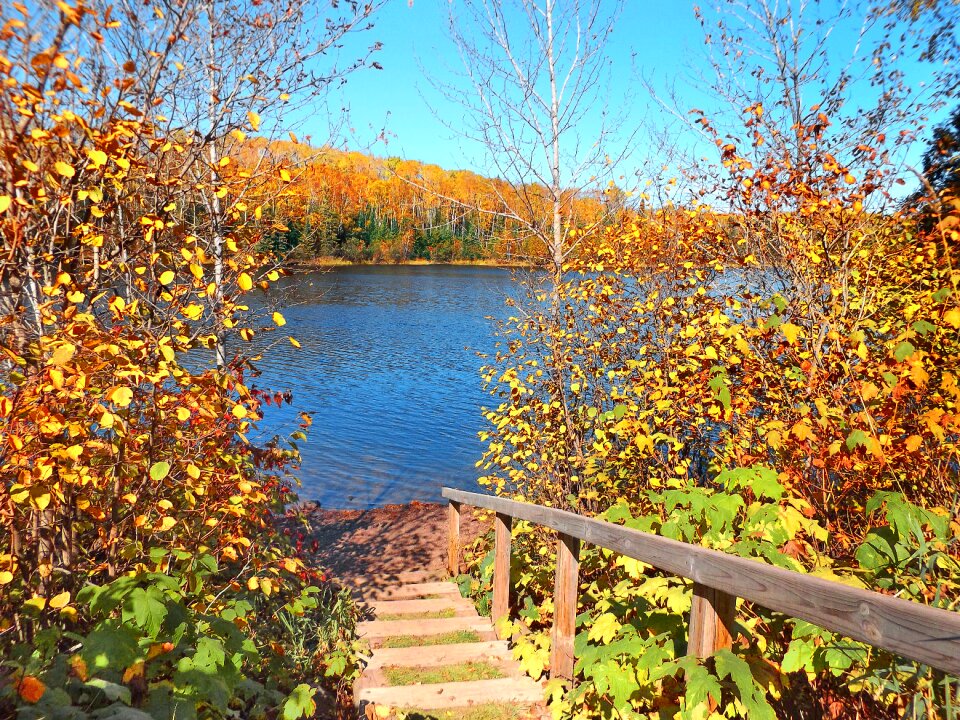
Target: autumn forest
{"x":743,"y":335}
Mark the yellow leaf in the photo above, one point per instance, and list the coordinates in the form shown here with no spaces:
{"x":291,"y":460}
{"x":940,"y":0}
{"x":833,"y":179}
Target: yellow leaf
{"x":98,"y":158}
{"x":166,"y":522}
{"x":791,"y":332}
{"x":183,"y":414}
{"x":802,"y":430}
{"x":62,"y":355}
{"x":167,"y":276}
{"x":293,"y":341}
{"x":253,"y":583}
{"x":914,"y":442}
{"x":254,"y":119}
{"x":121,"y":396}
{"x":239,"y":411}
{"x":284,"y":175}
{"x":6,"y":577}
{"x":61,"y":600}
{"x":952,"y":317}
{"x":36,"y":602}
{"x":245,"y":282}
{"x":5,"y":201}
{"x":65,"y":169}
{"x":279,"y":320}
{"x":192,"y":311}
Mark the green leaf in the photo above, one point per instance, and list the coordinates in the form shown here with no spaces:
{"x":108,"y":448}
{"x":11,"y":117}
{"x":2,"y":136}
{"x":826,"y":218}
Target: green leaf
{"x":903,"y":351}
{"x":701,"y":685}
{"x":300,"y":703}
{"x":752,"y":695}
{"x":113,"y":691}
{"x":159,"y":470}
{"x":604,"y":628}
{"x":799,"y":655}
{"x":147,"y":609}
{"x":856,"y":439}
{"x":114,"y":647}
{"x":922,"y":327}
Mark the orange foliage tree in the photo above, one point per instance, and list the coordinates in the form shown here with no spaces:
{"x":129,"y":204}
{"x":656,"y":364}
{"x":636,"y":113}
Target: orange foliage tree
{"x":136,"y":515}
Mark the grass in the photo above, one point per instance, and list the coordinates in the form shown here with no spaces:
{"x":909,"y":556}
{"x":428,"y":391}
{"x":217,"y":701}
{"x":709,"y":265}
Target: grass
{"x":460,"y":672}
{"x":450,"y":638}
{"x":428,"y":615}
{"x":487,"y":711}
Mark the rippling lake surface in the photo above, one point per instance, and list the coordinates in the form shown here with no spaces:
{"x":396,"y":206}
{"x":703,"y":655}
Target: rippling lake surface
{"x":389,"y":370}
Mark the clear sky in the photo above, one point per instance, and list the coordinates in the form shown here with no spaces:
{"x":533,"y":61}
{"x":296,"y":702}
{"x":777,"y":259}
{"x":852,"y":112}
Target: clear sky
{"x":662,"y":41}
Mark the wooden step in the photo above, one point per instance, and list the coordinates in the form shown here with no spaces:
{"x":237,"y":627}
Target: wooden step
{"x":379,"y":629}
{"x":410,"y":591}
{"x":441,"y":696}
{"x":440,"y":655}
{"x":404,"y":577}
{"x":411,"y":607}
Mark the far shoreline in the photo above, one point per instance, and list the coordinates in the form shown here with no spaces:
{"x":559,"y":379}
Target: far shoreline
{"x":328,"y":262}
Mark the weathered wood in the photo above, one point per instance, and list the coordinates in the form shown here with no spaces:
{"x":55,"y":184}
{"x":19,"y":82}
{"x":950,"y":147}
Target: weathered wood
{"x":501,"y":567}
{"x":711,"y":621}
{"x":565,"y":590}
{"x":909,"y":629}
{"x":453,"y":533}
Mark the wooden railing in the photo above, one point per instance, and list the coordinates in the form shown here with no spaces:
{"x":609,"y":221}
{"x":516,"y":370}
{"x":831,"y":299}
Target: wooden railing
{"x":909,"y":629}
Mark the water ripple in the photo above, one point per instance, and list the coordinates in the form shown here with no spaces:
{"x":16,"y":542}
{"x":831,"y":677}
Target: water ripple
{"x":389,"y":370}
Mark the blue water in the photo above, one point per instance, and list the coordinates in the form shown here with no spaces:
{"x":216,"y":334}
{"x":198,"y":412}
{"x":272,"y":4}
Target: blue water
{"x":388,"y":368}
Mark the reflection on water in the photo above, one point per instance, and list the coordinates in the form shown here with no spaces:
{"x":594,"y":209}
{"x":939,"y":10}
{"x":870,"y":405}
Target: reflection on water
{"x":388,"y":368}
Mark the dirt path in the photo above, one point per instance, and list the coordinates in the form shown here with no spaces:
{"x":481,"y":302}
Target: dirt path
{"x":384,"y":541}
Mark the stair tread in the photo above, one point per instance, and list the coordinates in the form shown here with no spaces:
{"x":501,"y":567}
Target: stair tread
{"x":372,"y":629}
{"x":403,"y":577}
{"x":440,"y":655}
{"x":409,"y":591}
{"x":410,"y":607}
{"x":455,"y":694}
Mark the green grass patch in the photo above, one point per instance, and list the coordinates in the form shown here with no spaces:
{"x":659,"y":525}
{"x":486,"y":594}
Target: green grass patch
{"x":450,"y":638}
{"x":428,"y":615}
{"x":487,"y":711}
{"x":460,"y":672}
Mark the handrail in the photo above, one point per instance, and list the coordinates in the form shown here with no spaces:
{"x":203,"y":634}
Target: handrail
{"x":906,"y":628}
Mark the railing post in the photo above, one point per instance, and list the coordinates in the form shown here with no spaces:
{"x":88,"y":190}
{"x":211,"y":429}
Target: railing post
{"x":453,"y":533}
{"x":565,"y":590}
{"x":711,"y":621}
{"x":501,"y":567}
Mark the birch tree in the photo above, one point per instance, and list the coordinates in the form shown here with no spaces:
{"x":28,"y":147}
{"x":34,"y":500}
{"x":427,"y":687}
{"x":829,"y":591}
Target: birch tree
{"x":534,"y":89}
{"x":232,"y":67}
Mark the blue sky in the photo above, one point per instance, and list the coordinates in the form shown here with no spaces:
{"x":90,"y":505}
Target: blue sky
{"x":662,"y":41}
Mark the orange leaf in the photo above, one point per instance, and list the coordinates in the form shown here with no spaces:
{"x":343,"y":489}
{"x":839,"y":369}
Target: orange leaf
{"x":31,"y":689}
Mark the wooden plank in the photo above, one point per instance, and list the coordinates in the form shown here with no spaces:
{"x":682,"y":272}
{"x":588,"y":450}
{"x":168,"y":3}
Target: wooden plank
{"x":711,"y":621}
{"x":408,"y":592}
{"x":449,"y":604}
{"x":443,"y":696}
{"x":909,"y":629}
{"x":565,"y":590}
{"x":440,"y":655}
{"x":501,"y":567}
{"x":453,"y":531}
{"x":378,"y":629}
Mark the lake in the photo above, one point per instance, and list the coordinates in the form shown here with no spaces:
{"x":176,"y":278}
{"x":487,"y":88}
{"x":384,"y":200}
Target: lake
{"x":388,"y":368}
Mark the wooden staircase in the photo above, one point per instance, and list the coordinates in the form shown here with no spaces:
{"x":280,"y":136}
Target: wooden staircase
{"x":421,"y":612}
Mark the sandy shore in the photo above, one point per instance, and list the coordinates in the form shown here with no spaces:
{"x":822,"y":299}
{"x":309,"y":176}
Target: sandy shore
{"x":383,"y":541}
